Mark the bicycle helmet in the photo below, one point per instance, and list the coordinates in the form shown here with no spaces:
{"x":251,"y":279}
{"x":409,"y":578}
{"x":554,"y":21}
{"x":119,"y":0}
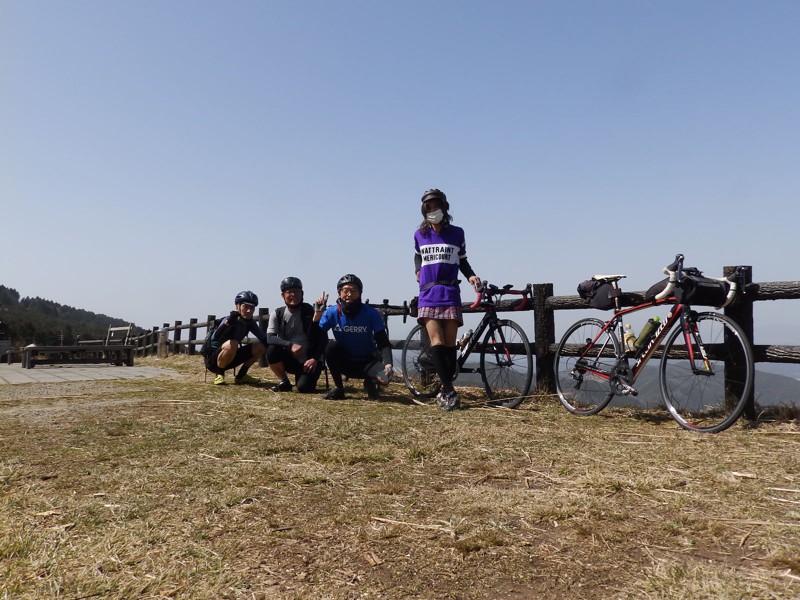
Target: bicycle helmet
{"x":246,"y":297}
{"x":291,"y":282}
{"x":434,"y":194}
{"x":350,"y":279}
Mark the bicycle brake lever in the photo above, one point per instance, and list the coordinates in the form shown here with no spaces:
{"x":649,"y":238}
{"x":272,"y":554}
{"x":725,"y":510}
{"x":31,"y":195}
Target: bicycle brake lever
{"x":672,"y":268}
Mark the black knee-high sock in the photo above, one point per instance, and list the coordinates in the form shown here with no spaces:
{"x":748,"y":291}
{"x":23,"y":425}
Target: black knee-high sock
{"x":452,"y":358}
{"x":439,"y":355}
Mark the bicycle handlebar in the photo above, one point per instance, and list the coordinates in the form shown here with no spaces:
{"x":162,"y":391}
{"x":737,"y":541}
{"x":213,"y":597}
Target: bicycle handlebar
{"x":674,"y":271}
{"x":488,"y":290}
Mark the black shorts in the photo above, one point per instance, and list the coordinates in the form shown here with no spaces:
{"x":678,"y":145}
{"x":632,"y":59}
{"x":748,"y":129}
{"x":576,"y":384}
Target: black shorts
{"x":243,"y":354}
{"x":282,"y":354}
{"x":306,"y":382}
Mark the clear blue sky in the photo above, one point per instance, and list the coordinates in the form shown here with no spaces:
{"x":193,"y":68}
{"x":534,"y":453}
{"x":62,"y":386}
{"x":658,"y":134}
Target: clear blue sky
{"x":164,"y":155}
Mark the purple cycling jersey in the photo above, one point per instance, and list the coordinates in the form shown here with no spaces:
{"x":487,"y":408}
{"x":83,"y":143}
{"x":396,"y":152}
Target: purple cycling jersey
{"x":441,"y":254}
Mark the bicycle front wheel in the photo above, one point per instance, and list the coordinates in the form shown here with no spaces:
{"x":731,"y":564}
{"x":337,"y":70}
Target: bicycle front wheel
{"x":706,"y":383}
{"x":583,"y":365}
{"x":419,"y":374}
{"x":506,"y":364}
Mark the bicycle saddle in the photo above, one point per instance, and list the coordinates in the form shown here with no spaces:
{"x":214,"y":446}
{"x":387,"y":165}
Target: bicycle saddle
{"x":608,"y":278}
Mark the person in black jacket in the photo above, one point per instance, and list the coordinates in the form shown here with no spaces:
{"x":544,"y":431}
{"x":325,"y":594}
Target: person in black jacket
{"x":296,"y":344}
{"x":226,"y":350}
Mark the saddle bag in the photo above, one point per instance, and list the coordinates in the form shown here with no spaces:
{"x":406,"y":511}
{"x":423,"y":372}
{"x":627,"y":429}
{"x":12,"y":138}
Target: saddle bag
{"x":597,"y":293}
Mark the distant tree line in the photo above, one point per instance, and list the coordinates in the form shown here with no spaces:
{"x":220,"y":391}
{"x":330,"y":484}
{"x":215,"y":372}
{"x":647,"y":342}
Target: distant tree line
{"x":38,"y":321}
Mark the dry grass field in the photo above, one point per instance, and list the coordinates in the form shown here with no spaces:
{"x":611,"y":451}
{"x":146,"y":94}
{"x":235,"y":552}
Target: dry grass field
{"x":174,"y":488}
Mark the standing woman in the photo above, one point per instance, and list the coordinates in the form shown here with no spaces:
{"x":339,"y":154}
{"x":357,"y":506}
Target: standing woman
{"x":441,"y":253}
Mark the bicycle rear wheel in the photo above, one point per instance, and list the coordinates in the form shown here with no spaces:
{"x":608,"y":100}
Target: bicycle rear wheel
{"x":583,"y":368}
{"x":707,"y":395}
{"x":418,"y":372}
{"x":506,"y":364}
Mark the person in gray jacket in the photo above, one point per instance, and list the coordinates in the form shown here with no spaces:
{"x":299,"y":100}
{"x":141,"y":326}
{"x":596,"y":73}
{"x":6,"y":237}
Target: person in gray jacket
{"x":296,"y":344}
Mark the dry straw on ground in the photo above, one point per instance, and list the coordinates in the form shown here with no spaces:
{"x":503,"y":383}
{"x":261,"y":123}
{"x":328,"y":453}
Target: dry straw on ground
{"x":174,"y":488}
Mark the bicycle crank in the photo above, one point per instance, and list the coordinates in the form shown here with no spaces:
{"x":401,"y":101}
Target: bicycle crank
{"x":620,"y":380}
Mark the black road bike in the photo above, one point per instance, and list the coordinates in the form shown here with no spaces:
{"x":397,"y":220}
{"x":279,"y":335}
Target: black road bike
{"x":505,"y":356}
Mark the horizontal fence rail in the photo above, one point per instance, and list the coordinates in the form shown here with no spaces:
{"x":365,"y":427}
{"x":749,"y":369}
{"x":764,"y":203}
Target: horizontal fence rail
{"x":169,"y":339}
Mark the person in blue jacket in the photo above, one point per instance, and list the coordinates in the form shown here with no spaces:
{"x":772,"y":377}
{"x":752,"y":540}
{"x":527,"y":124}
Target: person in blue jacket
{"x":360,"y":348}
{"x":226,"y":350}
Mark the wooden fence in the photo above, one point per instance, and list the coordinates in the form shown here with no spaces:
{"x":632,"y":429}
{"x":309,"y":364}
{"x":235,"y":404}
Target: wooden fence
{"x":170,"y":339}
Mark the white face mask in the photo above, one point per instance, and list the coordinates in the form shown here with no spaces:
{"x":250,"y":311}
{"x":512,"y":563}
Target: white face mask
{"x":435,"y":216}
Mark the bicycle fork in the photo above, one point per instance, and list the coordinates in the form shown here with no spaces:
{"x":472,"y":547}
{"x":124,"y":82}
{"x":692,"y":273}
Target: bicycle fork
{"x":691,"y":333}
{"x":500,"y":350}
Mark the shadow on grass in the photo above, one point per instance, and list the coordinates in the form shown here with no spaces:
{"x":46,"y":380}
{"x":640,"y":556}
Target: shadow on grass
{"x":649,"y":416}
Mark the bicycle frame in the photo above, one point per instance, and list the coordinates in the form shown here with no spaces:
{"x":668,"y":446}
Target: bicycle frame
{"x":503,"y":355}
{"x":707,"y":368}
{"x":486,"y":298}
{"x":676,"y":313}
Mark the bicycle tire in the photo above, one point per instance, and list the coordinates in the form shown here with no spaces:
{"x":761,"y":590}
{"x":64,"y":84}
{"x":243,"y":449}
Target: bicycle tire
{"x":506,"y":364}
{"x":707,"y":398}
{"x":579,"y":391}
{"x":418,"y":372}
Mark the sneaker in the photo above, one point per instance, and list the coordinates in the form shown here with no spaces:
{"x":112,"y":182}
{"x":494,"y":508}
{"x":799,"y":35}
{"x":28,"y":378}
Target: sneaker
{"x":245,"y":380}
{"x":283,"y":386}
{"x":451,"y":401}
{"x":372,"y":388}
{"x":335,"y":393}
{"x":219,"y":379}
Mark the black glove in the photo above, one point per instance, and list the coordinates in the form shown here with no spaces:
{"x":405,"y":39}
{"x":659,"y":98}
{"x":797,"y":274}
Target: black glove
{"x":233,"y":317}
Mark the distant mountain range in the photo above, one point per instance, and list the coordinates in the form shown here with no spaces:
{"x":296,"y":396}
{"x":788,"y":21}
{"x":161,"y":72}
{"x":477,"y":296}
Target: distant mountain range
{"x":771,"y":388}
{"x":36,"y":320}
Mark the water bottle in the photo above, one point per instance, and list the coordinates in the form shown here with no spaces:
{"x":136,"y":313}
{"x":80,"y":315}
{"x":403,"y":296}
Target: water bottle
{"x":385,"y":376}
{"x":629,"y":341}
{"x":380,"y":373}
{"x":647,"y":332}
{"x":462,"y":343}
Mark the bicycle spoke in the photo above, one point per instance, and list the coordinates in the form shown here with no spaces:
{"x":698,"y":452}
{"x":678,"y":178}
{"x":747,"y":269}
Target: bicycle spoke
{"x":706,"y":381}
{"x":582,"y":375}
{"x":418,"y":372}
{"x":506,"y":364}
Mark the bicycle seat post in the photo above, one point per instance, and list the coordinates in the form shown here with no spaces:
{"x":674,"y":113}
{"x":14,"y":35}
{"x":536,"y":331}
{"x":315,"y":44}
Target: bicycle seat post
{"x":616,"y":294}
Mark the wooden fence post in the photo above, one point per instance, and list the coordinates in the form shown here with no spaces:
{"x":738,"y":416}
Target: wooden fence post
{"x":263,"y":323}
{"x":176,"y":337}
{"x":152,"y":341}
{"x":162,"y":350}
{"x":544,"y":331}
{"x":192,"y":337}
{"x":741,"y":312}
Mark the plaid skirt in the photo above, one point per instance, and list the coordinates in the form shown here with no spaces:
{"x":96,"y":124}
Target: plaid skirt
{"x":440,"y":313}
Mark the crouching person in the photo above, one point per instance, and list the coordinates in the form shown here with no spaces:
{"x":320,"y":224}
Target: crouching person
{"x":226,"y":350}
{"x":360,"y":348}
{"x":296,"y":344}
